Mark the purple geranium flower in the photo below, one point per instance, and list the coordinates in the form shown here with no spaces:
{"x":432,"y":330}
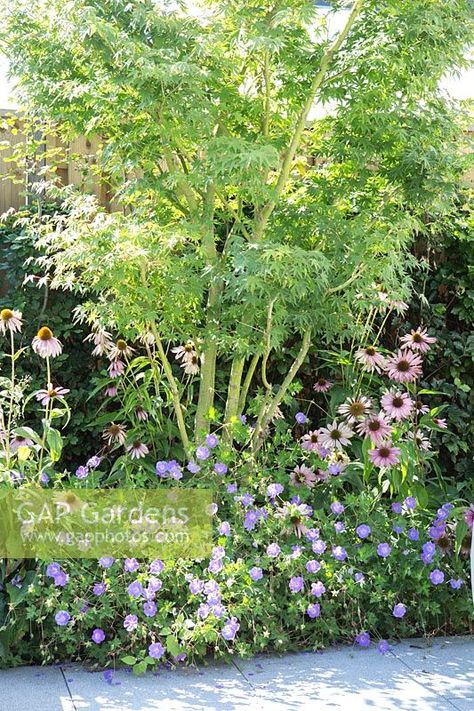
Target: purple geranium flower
{"x":93,"y":462}
{"x":313,"y":610}
{"x":202,"y":453}
{"x":359,"y":577}
{"x":62,"y":618}
{"x":156,"y":650}
{"x":231,"y":488}
{"x":413,"y":534}
{"x":318,"y":589}
{"x":220,"y":468}
{"x":410,"y":502}
{"x":135,"y":589}
{"x":212,"y":441}
{"x":196,"y":586}
{"x":383,"y":550}
{"x":106,"y":562}
{"x":53,"y":569}
{"x":437,"y":576}
{"x":313,"y":566}
{"x":397,"y":507}
{"x":98,"y":635}
{"x":82,"y":472}
{"x":296,"y":584}
{"x":149,"y":608}
{"x":383,"y":646}
{"x":224,"y":528}
{"x":456,"y":584}
{"x":339,"y":553}
{"x":130,"y":623}
{"x":301,"y":418}
{"x":156,"y":567}
{"x":273,"y":490}
{"x":363,"y":639}
{"x":273,"y":550}
{"x":399,"y":610}
{"x":363,"y":530}
{"x":98,"y":589}
{"x":339,"y":527}
{"x":319,"y":547}
{"x":337,"y":508}
{"x":130,"y":565}
{"x":61,"y":579}
{"x":230,"y":629}
{"x":256,"y":573}
{"x":193,"y":467}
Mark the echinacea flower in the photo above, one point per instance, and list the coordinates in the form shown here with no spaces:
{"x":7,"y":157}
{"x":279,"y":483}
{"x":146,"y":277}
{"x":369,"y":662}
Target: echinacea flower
{"x":18,"y":441}
{"x":322,"y":385}
{"x":141,"y":414}
{"x":102,"y":340}
{"x":469,"y":516}
{"x":418,"y":340}
{"x":404,"y":366}
{"x":120,"y":350}
{"x":336,"y":436}
{"x":116,"y":368}
{"x":10,"y":320}
{"x":440,"y":422}
{"x":114,"y":434}
{"x":371,"y":359}
{"x":310,"y":441}
{"x":385,"y":455}
{"x":186,"y":352}
{"x":397,"y":405}
{"x":45,"y":396}
{"x":355,"y":408}
{"x":419,"y":439}
{"x":303,"y":476}
{"x":376,"y":427}
{"x":45,"y":344}
{"x":191,"y":365}
{"x":421,"y":408}
{"x":137,"y":450}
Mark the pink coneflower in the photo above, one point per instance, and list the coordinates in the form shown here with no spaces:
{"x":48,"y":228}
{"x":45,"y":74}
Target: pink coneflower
{"x":16,"y":442}
{"x":111,"y":391}
{"x":303,"y":476}
{"x":114,"y":434}
{"x":397,"y":405}
{"x":310,"y":441}
{"x":45,"y":344}
{"x":469,"y":516}
{"x":370,"y":359}
{"x":385,"y":455}
{"x":336,"y":436}
{"x":376,"y":427}
{"x":191,"y":365}
{"x":102,"y":340}
{"x":420,"y":440}
{"x":404,"y":367}
{"x":120,"y":350}
{"x":421,"y":408}
{"x":185,"y":352}
{"x":322,"y":385}
{"x":116,"y":368}
{"x":355,"y":408}
{"x":418,"y":340}
{"x":440,"y":422}
{"x":10,"y":320}
{"x":398,"y":306}
{"x":137,"y":450}
{"x":141,"y":414}
{"x":45,"y":396}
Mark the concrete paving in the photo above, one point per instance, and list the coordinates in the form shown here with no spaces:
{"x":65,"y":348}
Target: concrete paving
{"x":415,"y":675}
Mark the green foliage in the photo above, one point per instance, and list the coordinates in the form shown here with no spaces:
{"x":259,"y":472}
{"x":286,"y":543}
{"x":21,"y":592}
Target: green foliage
{"x":42,"y":304}
{"x":203,"y":123}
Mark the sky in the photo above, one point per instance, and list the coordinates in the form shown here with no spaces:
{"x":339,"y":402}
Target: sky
{"x":461,"y":87}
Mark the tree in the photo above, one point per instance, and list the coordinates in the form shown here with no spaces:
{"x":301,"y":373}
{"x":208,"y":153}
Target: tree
{"x":248,"y":225}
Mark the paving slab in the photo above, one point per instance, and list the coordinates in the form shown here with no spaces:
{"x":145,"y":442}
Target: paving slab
{"x":34,"y":689}
{"x":414,"y":676}
{"x":342,"y":678}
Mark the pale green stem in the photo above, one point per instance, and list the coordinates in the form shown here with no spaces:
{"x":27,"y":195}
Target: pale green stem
{"x":46,"y":417}
{"x":233,"y":395}
{"x":247,"y":381}
{"x":270,"y":412}
{"x":12,"y":400}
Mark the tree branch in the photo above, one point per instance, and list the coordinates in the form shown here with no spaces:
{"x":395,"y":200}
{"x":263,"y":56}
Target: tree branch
{"x":261,"y":219}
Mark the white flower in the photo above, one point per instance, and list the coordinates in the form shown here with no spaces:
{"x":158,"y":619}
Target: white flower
{"x":335,"y":436}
